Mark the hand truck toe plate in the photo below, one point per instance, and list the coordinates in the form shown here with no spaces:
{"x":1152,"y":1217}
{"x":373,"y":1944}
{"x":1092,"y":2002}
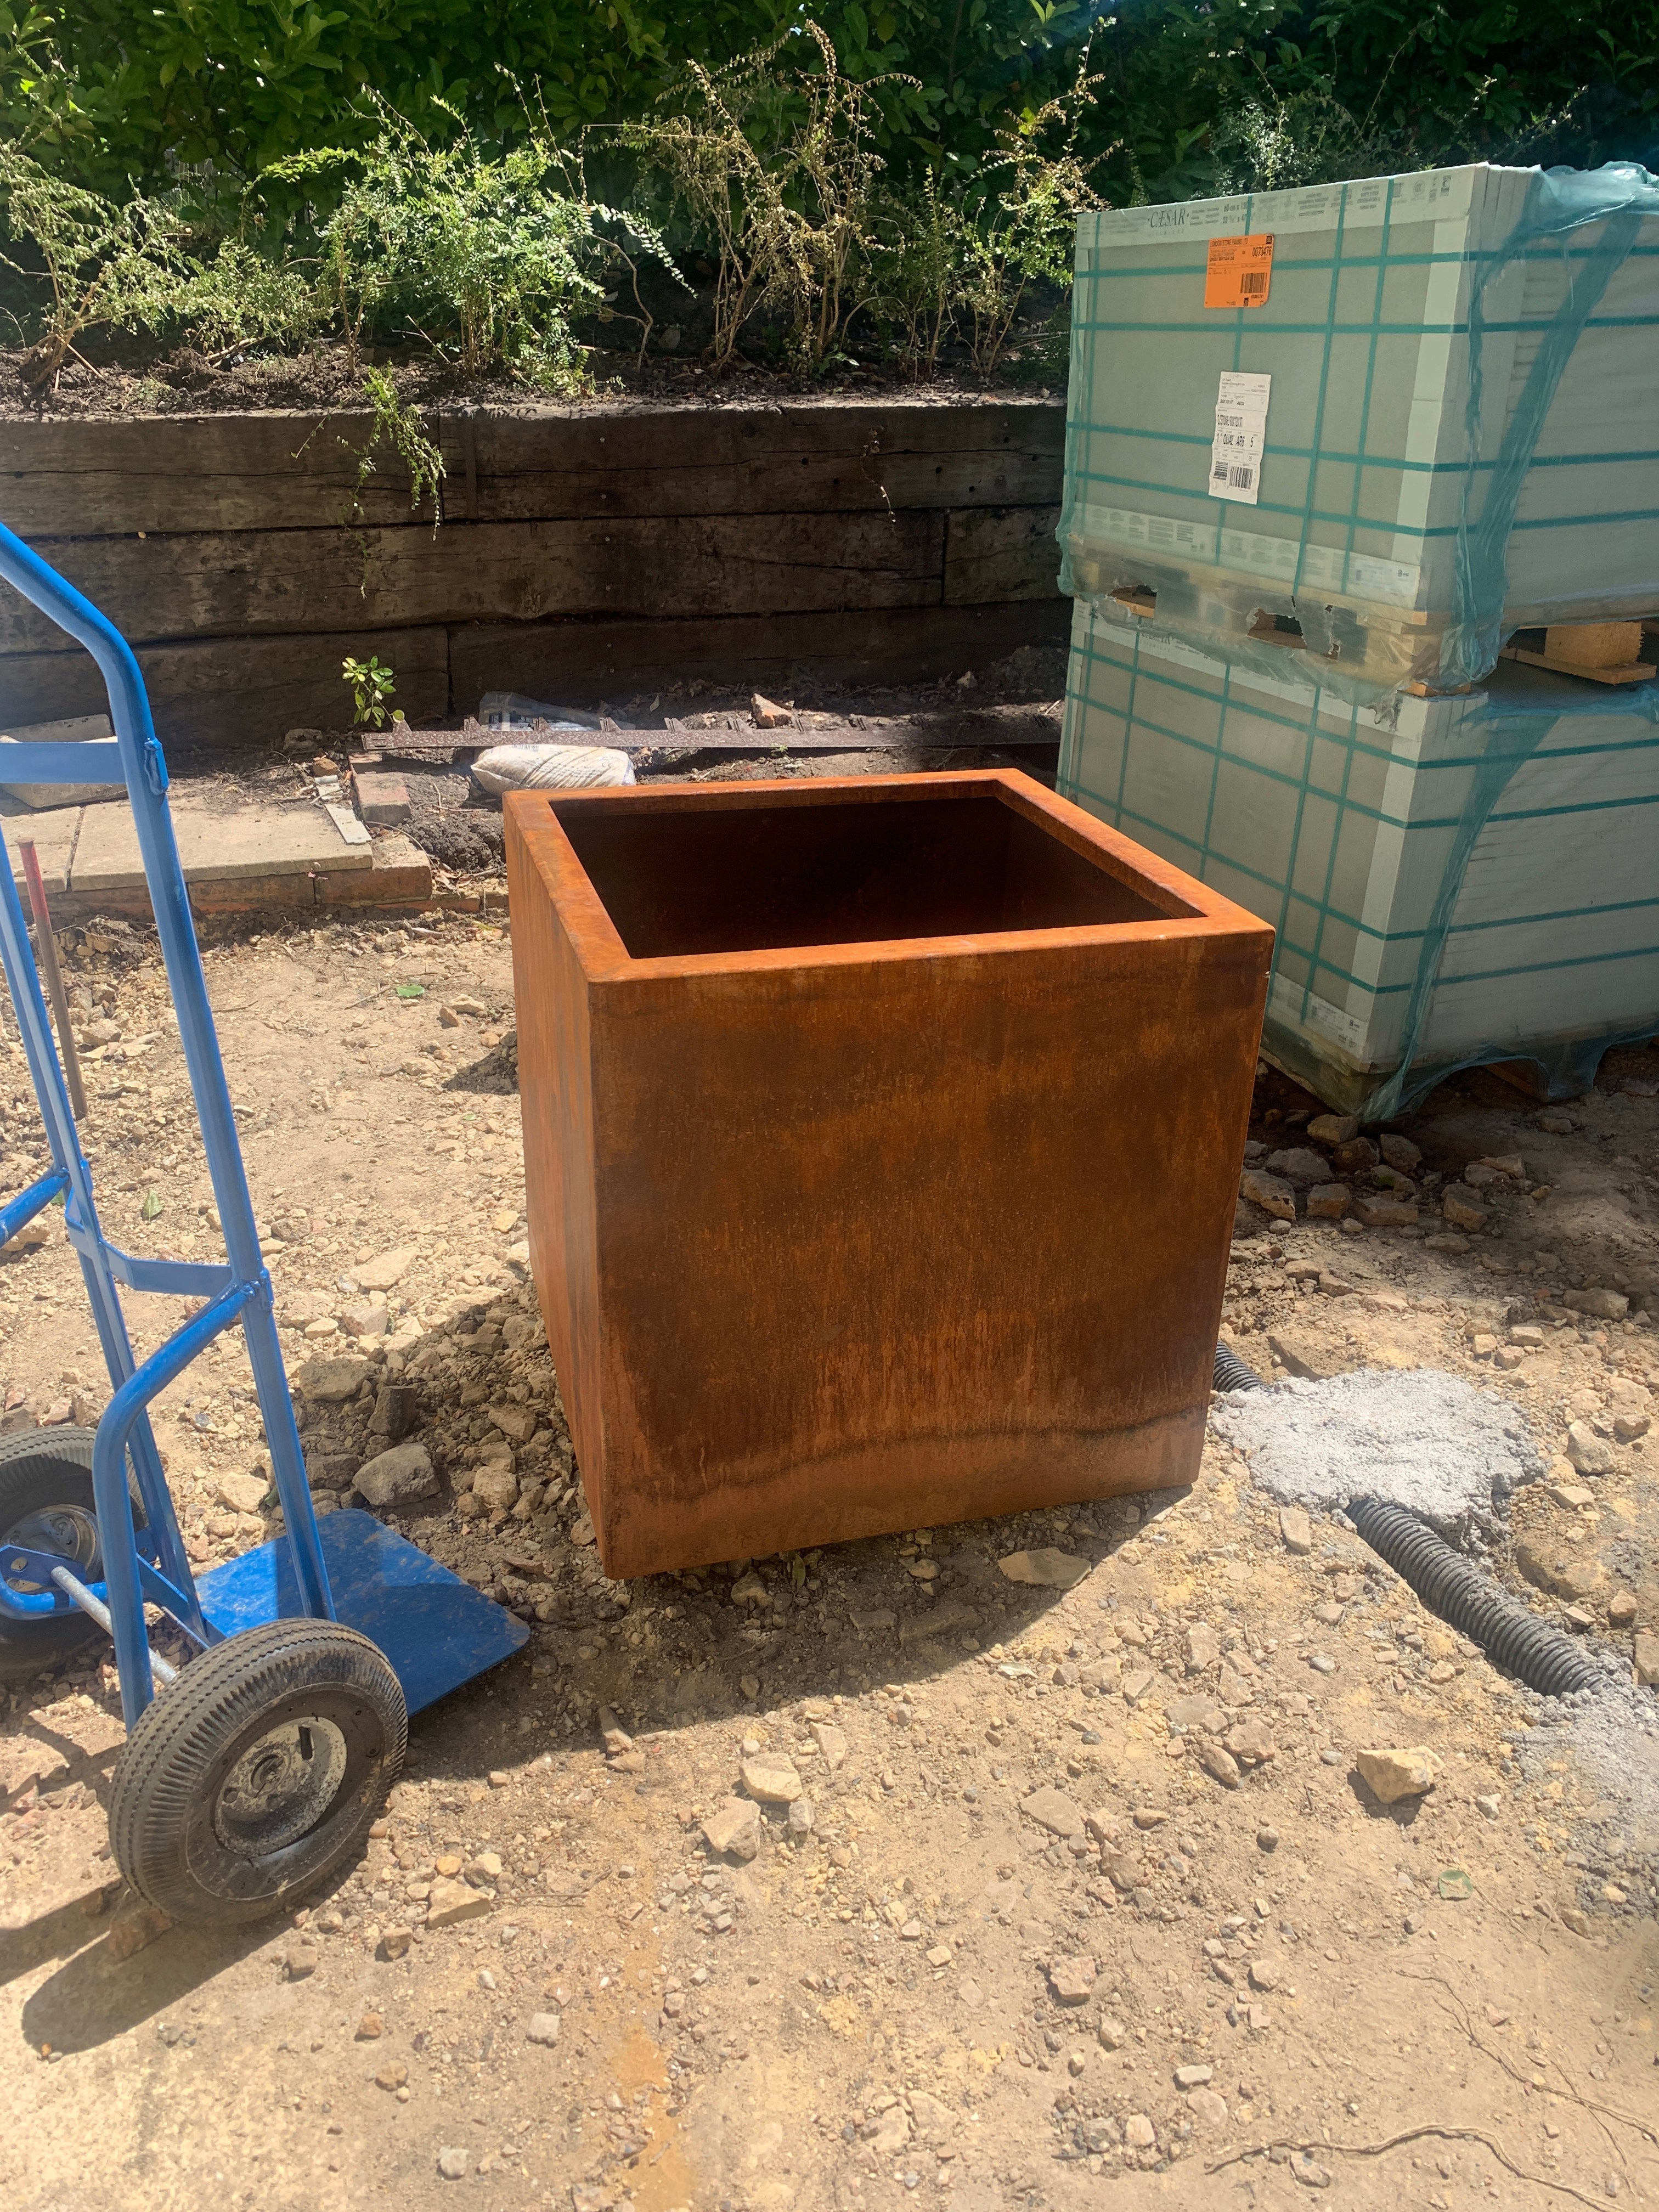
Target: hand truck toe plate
{"x":437,"y":1630}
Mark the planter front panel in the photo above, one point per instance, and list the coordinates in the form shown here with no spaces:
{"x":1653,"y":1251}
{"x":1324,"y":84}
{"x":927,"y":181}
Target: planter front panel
{"x":837,"y":1239}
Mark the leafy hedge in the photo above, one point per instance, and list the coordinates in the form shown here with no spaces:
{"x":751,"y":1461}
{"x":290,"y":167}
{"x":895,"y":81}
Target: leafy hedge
{"x":112,"y":89}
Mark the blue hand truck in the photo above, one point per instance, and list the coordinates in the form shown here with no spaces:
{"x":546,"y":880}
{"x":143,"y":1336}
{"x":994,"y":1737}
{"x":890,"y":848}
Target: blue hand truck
{"x":257,"y":1770}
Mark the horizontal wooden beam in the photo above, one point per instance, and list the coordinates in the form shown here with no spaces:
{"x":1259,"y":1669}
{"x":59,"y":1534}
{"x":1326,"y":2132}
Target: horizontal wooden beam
{"x":220,"y":584}
{"x":580,"y":664}
{"x":224,"y":691}
{"x":216,"y":692}
{"x":816,"y":458}
{"x":172,"y":474}
{"x":1001,"y":553}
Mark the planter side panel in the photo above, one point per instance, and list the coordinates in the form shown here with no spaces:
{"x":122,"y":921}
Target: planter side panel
{"x":550,"y":995}
{"x":890,"y":1243}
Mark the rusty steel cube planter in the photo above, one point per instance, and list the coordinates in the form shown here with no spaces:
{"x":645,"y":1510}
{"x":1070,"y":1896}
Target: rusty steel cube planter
{"x":882,"y":1140}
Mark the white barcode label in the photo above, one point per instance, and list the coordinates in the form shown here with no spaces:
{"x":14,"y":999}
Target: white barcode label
{"x":1241,"y":432}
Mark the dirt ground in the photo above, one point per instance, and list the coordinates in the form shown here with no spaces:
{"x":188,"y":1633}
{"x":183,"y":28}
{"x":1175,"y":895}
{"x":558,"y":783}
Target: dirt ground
{"x":1181,"y":1989}
{"x":1008,"y":713}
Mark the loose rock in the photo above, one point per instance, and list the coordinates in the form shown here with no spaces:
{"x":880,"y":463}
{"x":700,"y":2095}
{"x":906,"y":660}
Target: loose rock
{"x":1588,"y":1452}
{"x":1296,"y":1529}
{"x":1392,"y":1774}
{"x":1072,"y":1980}
{"x":831,"y":1743}
{"x":772,"y":1780}
{"x":386,"y":1273}
{"x":1203,"y":1648}
{"x":1272,"y":1195}
{"x":1053,"y":1810}
{"x":241,"y":1493}
{"x":449,"y":1901}
{"x":1333,"y":1128}
{"x":1046,"y":1569}
{"x":1217,"y":1763}
{"x":400,"y":1476}
{"x":1462,"y":1208}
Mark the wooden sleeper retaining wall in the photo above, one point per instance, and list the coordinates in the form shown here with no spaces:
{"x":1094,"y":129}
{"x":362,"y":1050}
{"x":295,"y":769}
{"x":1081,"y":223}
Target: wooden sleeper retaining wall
{"x":584,"y":551}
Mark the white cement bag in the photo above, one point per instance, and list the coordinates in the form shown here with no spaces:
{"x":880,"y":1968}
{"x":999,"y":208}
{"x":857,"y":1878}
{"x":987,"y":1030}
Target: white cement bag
{"x":551,"y":767}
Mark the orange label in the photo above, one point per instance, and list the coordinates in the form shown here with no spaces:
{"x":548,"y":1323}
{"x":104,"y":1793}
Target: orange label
{"x":1240,"y":270}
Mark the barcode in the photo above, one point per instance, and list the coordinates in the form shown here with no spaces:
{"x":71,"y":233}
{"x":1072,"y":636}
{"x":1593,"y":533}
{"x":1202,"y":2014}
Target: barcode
{"x":1218,"y":473}
{"x":1252,"y":280}
{"x":1242,"y":478}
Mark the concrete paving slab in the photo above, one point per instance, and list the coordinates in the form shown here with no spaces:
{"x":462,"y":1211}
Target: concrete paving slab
{"x":54,"y":833}
{"x":214,"y":844}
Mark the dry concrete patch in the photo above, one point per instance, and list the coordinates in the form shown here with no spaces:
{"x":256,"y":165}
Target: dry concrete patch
{"x":1422,"y":1438}
{"x":1610,"y":1735}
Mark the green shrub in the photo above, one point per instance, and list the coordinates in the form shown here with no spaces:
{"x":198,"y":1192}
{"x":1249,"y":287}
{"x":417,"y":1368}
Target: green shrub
{"x":117,"y":88}
{"x":916,"y":264}
{"x":416,"y":165}
{"x":773,"y":161}
{"x":483,"y":262}
{"x":97,"y":265}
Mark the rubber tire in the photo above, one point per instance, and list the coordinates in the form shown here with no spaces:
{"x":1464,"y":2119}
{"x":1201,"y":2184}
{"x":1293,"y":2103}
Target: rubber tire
{"x":40,"y":1468}
{"x":167,"y":1783}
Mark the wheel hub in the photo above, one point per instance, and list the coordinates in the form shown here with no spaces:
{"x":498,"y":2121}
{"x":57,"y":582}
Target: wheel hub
{"x":281,"y":1786}
{"x":70,"y":1531}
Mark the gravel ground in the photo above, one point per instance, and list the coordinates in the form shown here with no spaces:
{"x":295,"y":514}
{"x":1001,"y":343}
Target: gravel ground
{"x":1080,"y":1885}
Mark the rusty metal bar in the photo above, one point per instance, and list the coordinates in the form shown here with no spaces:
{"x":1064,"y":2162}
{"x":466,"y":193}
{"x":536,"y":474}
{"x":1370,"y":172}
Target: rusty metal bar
{"x":46,"y":951}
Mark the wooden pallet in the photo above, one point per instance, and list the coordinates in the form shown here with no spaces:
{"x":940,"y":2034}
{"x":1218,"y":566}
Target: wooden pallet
{"x":1602,"y":653}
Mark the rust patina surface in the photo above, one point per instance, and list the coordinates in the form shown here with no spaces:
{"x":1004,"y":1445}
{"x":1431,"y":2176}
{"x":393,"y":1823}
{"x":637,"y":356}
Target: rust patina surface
{"x":881,"y":1144}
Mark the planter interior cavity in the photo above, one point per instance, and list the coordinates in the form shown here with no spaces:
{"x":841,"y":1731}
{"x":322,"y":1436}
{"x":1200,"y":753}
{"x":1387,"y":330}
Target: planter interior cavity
{"x":761,"y":877}
{"x":882,"y":1142}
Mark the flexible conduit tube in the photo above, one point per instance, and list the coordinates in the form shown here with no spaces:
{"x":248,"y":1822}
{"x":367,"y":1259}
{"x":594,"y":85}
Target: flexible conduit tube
{"x":1512,"y":1638}
{"x":1232,"y":1374}
{"x":1448,"y":1584}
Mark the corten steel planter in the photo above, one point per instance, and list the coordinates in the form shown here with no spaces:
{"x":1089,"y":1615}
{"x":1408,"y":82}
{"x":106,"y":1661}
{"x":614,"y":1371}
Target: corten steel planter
{"x":882,"y":1140}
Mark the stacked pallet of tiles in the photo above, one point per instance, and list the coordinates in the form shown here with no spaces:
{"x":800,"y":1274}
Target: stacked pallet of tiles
{"x":1362,"y":527}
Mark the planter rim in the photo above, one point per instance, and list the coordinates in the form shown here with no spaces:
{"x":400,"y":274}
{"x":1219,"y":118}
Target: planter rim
{"x":1194,"y":911}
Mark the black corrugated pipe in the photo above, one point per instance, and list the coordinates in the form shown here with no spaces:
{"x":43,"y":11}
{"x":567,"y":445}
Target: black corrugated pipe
{"x":1513,"y":1638}
{"x":1232,"y":1374}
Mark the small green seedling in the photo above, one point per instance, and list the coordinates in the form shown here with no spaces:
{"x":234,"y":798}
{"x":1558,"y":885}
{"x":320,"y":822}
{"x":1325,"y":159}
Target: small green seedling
{"x":372,"y":686}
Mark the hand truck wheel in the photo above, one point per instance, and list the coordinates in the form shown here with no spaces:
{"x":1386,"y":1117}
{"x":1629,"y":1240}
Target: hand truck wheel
{"x":259,"y":1773}
{"x":46,"y":1503}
